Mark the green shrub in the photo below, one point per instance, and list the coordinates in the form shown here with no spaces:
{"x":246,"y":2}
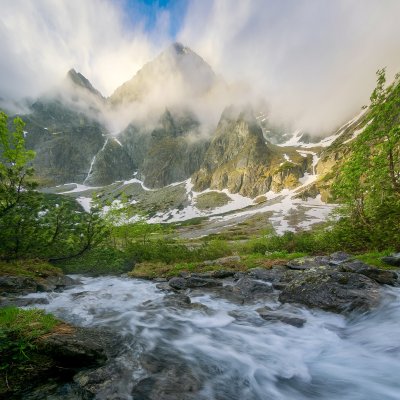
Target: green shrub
{"x":99,"y":260}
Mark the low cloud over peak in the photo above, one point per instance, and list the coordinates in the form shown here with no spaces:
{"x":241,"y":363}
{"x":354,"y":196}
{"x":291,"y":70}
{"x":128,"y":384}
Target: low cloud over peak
{"x":314,"y":62}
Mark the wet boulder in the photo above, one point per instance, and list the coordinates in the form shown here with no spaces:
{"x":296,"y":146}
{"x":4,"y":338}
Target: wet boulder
{"x":384,"y":277}
{"x":393,"y":259}
{"x":17,"y":285}
{"x":250,"y":289}
{"x":177,"y":283}
{"x":332,"y":290}
{"x":52,"y":283}
{"x":76,"y":347}
{"x":274,"y":316}
{"x":267,"y":275}
{"x":22,"y":302}
{"x":191,"y":282}
{"x":171,"y":378}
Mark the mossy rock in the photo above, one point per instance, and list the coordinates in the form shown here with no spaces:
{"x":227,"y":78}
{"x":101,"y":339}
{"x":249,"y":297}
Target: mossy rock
{"x":209,"y":200}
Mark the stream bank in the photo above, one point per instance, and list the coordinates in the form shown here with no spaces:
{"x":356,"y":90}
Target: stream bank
{"x":315,"y":328}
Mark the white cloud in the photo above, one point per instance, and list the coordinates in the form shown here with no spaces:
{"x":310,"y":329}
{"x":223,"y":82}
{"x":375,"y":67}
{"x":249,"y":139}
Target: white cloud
{"x":313,"y":60}
{"x":41,"y":40}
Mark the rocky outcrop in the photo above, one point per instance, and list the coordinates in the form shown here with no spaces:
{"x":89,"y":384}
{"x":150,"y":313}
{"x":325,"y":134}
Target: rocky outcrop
{"x":336,"y":283}
{"x":175,"y":150}
{"x":112,"y":163}
{"x":237,"y":159}
{"x":332,"y":291}
{"x":393,"y":259}
{"x":11,"y":286}
{"x":58,"y":356}
{"x":240,"y":160}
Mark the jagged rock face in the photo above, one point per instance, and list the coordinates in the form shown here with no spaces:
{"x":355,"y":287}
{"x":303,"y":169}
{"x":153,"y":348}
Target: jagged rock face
{"x":112,"y":163}
{"x":65,"y":141}
{"x":287,"y":175}
{"x":79,"y":80}
{"x":237,"y":158}
{"x":169,"y":153}
{"x":175,"y":151}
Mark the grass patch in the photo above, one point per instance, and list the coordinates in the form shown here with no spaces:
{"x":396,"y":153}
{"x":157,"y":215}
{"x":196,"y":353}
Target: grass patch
{"x":374,"y":258}
{"x":18,"y":331}
{"x":98,"y":261}
{"x":29,"y":268}
{"x":149,"y":270}
{"x":257,"y":260}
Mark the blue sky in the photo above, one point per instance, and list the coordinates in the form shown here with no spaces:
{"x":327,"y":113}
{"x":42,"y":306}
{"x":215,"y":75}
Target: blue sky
{"x":149,"y":11}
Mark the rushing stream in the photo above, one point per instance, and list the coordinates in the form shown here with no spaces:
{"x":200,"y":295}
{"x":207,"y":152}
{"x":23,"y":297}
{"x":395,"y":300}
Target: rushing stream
{"x":226,"y":351}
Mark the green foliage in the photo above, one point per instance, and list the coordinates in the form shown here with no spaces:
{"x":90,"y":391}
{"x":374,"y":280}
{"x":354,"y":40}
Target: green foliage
{"x":369,"y":181}
{"x":18,"y":331}
{"x":31,"y":224}
{"x":374,"y":258}
{"x":14,"y":168}
{"x":102,"y":259}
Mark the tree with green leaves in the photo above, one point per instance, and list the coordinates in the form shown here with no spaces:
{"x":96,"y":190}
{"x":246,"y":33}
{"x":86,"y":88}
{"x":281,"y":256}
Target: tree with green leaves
{"x":15,"y":169}
{"x":369,"y":181}
{"x":33,"y":224}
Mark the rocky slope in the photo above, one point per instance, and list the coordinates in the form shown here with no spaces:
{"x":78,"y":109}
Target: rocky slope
{"x":240,"y":159}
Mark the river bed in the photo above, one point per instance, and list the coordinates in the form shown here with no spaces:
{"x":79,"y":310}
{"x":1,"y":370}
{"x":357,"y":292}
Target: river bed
{"x":222,"y":350}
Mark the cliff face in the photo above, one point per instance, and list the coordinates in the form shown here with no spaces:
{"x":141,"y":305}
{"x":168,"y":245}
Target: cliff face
{"x":171,"y":152}
{"x":240,"y":159}
{"x":65,"y":141}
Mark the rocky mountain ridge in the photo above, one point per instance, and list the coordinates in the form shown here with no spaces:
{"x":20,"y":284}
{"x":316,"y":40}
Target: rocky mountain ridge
{"x":73,"y":143}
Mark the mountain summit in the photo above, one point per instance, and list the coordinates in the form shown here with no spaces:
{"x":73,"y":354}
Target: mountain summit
{"x":175,"y":73}
{"x":77,"y":79}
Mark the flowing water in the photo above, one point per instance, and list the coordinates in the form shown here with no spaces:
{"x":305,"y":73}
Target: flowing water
{"x":225,"y":351}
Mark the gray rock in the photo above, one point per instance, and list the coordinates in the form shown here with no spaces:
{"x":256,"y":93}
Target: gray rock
{"x":19,"y":285}
{"x":171,"y":378}
{"x":222,"y":274}
{"x":332,"y":291}
{"x":381,"y":276}
{"x":339,"y":257}
{"x":393,"y":259}
{"x":164,"y":286}
{"x":194,"y":282}
{"x":272,"y":316}
{"x":268,"y":275}
{"x":21,"y":302}
{"x":251,"y":289}
{"x":76,"y":347}
{"x":54,"y":283}
{"x":177,"y":283}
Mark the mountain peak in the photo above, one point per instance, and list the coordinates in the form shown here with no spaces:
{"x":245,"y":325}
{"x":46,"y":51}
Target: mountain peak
{"x":179,"y":48}
{"x":177,"y":69}
{"x":77,"y":79}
